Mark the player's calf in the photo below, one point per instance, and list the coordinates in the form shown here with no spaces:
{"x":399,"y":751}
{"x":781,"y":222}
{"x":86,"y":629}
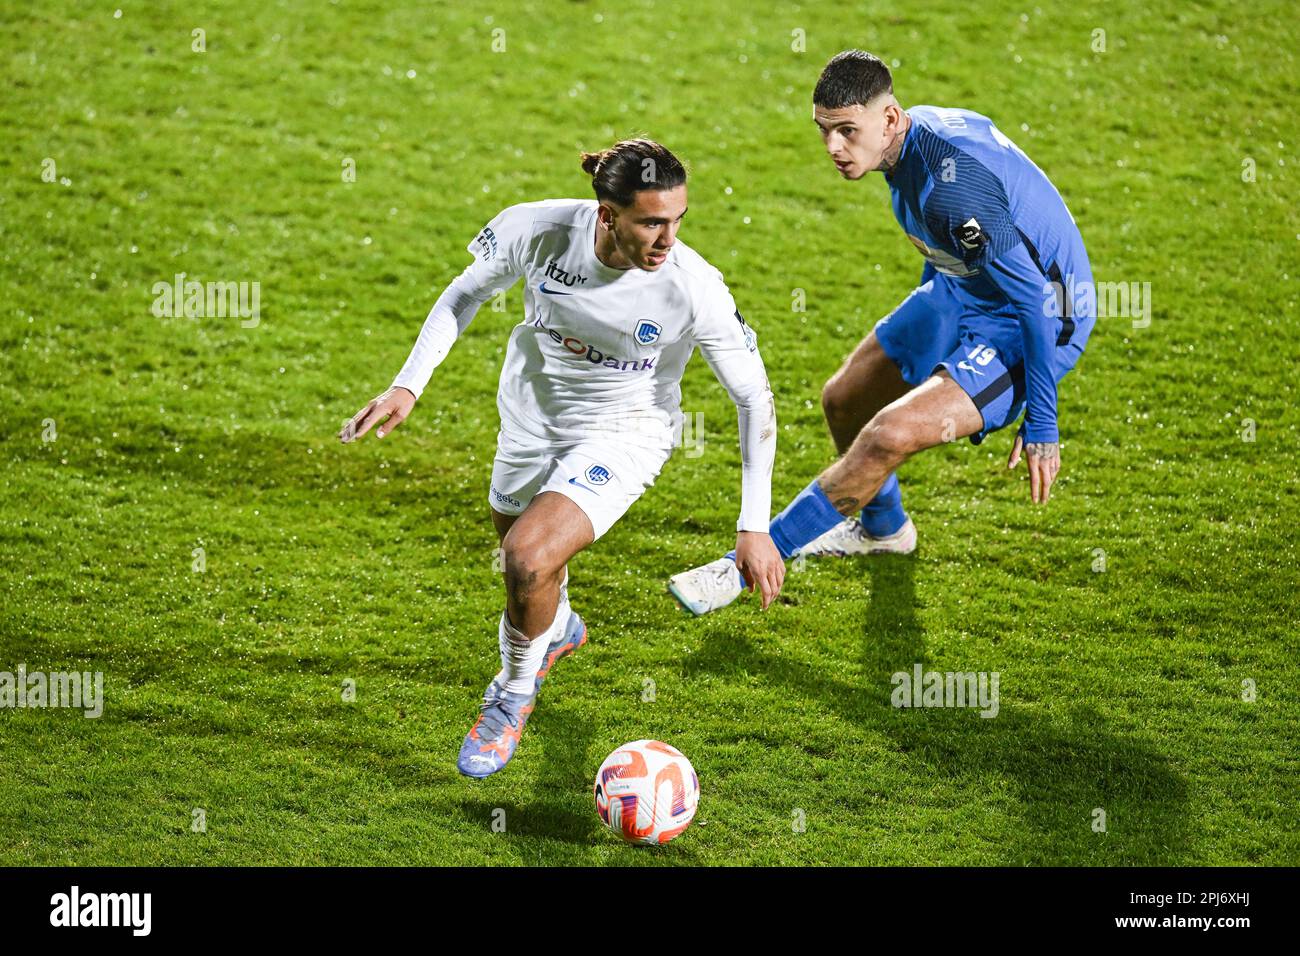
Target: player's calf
{"x":866,"y":382}
{"x":936,"y":412}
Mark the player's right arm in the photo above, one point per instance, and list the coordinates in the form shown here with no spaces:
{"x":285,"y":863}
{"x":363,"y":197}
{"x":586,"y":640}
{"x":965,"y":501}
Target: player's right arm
{"x":496,"y":267}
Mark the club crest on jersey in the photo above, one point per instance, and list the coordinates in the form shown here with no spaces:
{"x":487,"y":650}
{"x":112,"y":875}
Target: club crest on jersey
{"x":971,"y":235}
{"x":647,"y":331}
{"x":598,"y":474}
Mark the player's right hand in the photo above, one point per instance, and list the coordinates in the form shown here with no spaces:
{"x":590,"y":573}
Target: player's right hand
{"x":387,"y":410}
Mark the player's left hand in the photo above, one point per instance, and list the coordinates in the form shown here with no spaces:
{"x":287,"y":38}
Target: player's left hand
{"x":760,"y":564}
{"x":1044,"y":461}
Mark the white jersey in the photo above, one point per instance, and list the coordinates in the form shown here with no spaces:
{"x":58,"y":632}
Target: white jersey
{"x":601,"y":351}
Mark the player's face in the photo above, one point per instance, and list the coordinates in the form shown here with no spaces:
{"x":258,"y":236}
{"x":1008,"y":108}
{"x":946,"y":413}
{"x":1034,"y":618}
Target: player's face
{"x":644,"y":231}
{"x":857,"y":137}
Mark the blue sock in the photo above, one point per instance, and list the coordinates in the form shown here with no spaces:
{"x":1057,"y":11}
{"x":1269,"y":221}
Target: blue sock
{"x":805,"y":519}
{"x":884,"y":514}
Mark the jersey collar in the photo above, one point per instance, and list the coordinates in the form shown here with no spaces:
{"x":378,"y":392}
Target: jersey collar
{"x":906,"y":153}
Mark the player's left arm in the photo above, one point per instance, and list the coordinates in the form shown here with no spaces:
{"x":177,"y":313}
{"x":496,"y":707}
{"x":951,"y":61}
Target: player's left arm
{"x":730,"y":347}
{"x":973,"y":214}
{"x":1018,"y":277}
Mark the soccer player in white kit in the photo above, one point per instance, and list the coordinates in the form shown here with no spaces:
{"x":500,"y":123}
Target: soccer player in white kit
{"x":589,"y":398}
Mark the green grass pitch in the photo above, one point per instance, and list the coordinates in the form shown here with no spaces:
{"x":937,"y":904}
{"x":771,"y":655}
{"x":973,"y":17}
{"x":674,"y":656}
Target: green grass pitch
{"x":131,"y":440}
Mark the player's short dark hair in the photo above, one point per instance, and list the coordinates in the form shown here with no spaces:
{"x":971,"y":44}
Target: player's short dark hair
{"x":852,"y":78}
{"x":620,"y":172}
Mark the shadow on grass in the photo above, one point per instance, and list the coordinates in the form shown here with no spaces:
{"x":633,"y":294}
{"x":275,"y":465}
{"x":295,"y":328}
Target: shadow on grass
{"x":1060,"y":768}
{"x":548,"y":808}
{"x":557,"y":804}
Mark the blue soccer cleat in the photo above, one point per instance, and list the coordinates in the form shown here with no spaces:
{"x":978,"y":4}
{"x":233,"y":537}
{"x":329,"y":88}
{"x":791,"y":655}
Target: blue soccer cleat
{"x":574,"y":636}
{"x":491,"y":742}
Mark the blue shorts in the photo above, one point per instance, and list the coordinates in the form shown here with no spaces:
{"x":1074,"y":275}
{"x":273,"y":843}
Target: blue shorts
{"x":983,"y":351}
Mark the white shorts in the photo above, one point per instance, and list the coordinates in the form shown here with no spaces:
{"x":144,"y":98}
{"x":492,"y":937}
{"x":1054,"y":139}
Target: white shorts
{"x":602,"y":476}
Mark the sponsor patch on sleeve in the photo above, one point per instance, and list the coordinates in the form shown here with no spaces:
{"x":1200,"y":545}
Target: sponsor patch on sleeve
{"x":751,"y":337}
{"x":486,"y":243}
{"x":971,"y":235}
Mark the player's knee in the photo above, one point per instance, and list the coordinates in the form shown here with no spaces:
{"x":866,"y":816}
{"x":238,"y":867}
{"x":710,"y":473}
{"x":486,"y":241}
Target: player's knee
{"x":529,"y":559}
{"x":889,"y":438}
{"x":837,"y":403}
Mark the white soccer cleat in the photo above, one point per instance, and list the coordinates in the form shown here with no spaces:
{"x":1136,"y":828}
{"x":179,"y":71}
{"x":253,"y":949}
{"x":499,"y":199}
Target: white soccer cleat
{"x":708,"y":587}
{"x":849,"y":537}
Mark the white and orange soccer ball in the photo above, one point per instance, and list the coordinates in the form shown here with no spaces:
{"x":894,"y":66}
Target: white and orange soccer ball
{"x":647,"y":792}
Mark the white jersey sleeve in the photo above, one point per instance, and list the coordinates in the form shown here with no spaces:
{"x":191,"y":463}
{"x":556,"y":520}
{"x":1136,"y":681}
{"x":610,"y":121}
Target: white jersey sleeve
{"x":731,"y":349}
{"x":497,"y":265}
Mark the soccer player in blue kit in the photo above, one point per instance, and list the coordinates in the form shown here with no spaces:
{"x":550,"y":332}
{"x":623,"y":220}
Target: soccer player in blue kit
{"x":996,"y":322}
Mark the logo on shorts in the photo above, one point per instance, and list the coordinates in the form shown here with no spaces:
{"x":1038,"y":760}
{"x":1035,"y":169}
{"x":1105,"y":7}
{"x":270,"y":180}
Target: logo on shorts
{"x":647,"y":331}
{"x":981,"y":355}
{"x":598,"y":474}
{"x":506,"y":499}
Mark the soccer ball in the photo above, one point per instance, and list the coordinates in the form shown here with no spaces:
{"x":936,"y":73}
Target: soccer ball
{"x":646,"y":792}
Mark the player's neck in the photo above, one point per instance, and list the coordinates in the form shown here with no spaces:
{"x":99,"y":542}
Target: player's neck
{"x":895,"y":151}
{"x":607,"y":252}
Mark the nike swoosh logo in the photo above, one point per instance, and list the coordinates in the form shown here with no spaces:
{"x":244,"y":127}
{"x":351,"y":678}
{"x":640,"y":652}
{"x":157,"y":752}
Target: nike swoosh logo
{"x":575,"y":481}
{"x":969,"y":368}
{"x":552,"y":291}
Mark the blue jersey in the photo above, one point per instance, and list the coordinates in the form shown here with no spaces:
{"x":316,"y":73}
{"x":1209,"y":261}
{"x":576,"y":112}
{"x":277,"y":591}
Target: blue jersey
{"x":982,"y":213}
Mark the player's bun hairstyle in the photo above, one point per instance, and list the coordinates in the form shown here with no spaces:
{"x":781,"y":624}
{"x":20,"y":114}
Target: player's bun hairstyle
{"x":620,"y":172}
{"x":852,"y":78}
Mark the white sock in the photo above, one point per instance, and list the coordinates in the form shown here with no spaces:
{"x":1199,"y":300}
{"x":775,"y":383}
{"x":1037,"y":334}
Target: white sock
{"x":512,"y":653}
{"x":563,"y":611}
{"x":521,"y":658}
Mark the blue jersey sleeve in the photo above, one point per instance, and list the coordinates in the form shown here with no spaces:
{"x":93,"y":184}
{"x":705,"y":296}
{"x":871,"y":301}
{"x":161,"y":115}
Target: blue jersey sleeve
{"x":1016,"y":275}
{"x":970,"y":214}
